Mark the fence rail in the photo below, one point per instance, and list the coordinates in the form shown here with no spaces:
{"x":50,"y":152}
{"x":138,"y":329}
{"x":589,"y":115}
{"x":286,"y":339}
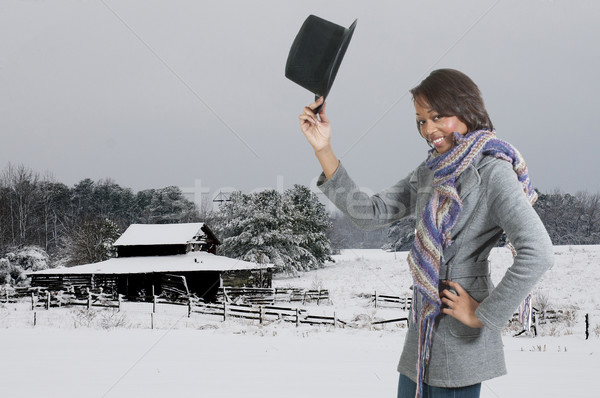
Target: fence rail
{"x":47,"y":299}
{"x":9,"y":294}
{"x":264,"y":313}
{"x":393,"y":301}
{"x":272,"y":295}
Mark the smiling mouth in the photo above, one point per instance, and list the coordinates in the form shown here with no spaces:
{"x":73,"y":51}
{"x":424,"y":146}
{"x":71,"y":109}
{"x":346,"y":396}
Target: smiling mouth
{"x":437,"y":141}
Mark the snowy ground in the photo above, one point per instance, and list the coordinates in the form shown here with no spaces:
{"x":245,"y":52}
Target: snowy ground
{"x":64,"y":357}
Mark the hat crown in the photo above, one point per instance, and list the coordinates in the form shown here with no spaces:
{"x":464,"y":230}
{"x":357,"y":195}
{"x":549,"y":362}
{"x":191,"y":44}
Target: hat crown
{"x":316,"y":54}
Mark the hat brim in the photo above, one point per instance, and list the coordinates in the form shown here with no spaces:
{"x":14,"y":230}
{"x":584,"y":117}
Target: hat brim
{"x":338,"y":58}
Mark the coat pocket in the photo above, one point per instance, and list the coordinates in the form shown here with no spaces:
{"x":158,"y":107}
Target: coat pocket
{"x":460,"y":330}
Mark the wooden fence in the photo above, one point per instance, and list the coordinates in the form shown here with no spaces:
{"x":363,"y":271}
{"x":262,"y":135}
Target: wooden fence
{"x":258,"y":305}
{"x":271,"y":296}
{"x":9,"y":294}
{"x":395,"y":301}
{"x":262,"y":313}
{"x":47,"y":299}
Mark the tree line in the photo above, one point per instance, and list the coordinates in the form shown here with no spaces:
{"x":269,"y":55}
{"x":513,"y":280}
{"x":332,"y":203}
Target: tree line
{"x":78,"y":224}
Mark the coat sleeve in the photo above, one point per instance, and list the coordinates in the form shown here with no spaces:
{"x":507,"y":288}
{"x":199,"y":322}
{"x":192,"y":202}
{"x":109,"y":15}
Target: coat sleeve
{"x":510,"y":210}
{"x":369,"y":211}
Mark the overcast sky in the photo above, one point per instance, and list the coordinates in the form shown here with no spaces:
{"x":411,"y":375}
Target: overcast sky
{"x":192,"y":93}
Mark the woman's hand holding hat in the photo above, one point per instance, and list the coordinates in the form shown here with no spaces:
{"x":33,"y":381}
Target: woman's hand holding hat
{"x":316,"y":127}
{"x":317,"y":130}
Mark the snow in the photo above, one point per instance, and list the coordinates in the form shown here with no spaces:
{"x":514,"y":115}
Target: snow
{"x":192,"y":261}
{"x":203,"y":356}
{"x":159,"y":234}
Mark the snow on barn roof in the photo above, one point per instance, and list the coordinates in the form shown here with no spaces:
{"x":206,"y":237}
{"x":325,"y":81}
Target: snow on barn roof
{"x":159,"y":234}
{"x":190,"y":262}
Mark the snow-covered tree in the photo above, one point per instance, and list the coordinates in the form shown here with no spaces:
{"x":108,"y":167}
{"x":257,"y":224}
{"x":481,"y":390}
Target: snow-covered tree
{"x":268,"y":227}
{"x":310,"y":222}
{"x":14,"y":265}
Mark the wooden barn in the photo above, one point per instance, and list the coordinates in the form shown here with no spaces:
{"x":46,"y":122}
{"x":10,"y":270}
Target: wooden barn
{"x":160,"y":259}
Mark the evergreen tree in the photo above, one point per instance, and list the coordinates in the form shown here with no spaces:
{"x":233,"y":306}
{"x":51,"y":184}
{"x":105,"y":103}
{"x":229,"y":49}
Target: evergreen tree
{"x":311,"y":223}
{"x":287,"y":230}
{"x":168,"y":206}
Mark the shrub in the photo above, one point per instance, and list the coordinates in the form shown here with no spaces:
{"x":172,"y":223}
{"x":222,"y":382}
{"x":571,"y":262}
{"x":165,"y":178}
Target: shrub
{"x":113,"y":319}
{"x":83,"y":317}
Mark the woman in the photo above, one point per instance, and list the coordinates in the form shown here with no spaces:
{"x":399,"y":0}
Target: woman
{"x":470,"y":189}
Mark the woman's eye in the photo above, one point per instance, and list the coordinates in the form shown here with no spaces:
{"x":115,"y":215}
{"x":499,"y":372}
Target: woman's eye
{"x":436,"y":117}
{"x":420,"y":122}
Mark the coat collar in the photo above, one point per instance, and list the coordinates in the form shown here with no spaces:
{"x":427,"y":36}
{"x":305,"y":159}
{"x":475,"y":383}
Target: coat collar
{"x":466,"y":182}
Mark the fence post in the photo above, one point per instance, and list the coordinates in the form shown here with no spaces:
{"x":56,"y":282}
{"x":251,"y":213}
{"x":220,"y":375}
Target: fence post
{"x":48,"y":300}
{"x":260,"y":314}
{"x":189,"y":307}
{"x":224,"y":311}
{"x":32,"y":301}
{"x":152,"y":320}
{"x":89,"y":303}
{"x":375,"y":298}
{"x":34,"y":318}
{"x":587,"y":326}
{"x":153,"y":302}
{"x":297,"y":317}
{"x":334,"y":320}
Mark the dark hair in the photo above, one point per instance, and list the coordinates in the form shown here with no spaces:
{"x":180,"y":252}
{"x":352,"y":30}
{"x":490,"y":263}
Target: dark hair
{"x":452,"y":93}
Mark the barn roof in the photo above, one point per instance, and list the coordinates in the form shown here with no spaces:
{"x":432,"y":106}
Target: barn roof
{"x":163,"y":234}
{"x":190,"y":262}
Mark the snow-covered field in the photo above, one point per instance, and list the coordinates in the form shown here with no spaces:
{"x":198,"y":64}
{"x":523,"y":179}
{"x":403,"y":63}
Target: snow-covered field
{"x":64,"y":357}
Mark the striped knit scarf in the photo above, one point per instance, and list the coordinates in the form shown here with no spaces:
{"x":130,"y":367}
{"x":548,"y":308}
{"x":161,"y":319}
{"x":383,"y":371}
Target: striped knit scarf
{"x":433,"y":230}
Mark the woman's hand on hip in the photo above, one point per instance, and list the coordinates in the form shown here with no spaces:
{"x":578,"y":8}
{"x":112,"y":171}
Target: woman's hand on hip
{"x":316,"y":127}
{"x":460,"y":305}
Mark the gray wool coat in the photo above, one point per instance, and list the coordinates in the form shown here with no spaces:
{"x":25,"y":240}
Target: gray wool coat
{"x":493,"y":201}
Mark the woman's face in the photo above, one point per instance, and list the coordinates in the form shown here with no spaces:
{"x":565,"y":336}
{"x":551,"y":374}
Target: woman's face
{"x":438,"y":129}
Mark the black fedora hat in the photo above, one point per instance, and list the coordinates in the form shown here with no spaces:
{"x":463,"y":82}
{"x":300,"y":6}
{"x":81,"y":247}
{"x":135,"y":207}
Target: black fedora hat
{"x":316,"y":54}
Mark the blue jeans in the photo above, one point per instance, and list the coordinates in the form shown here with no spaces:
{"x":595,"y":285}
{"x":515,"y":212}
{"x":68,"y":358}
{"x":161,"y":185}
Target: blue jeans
{"x":408,"y":388}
